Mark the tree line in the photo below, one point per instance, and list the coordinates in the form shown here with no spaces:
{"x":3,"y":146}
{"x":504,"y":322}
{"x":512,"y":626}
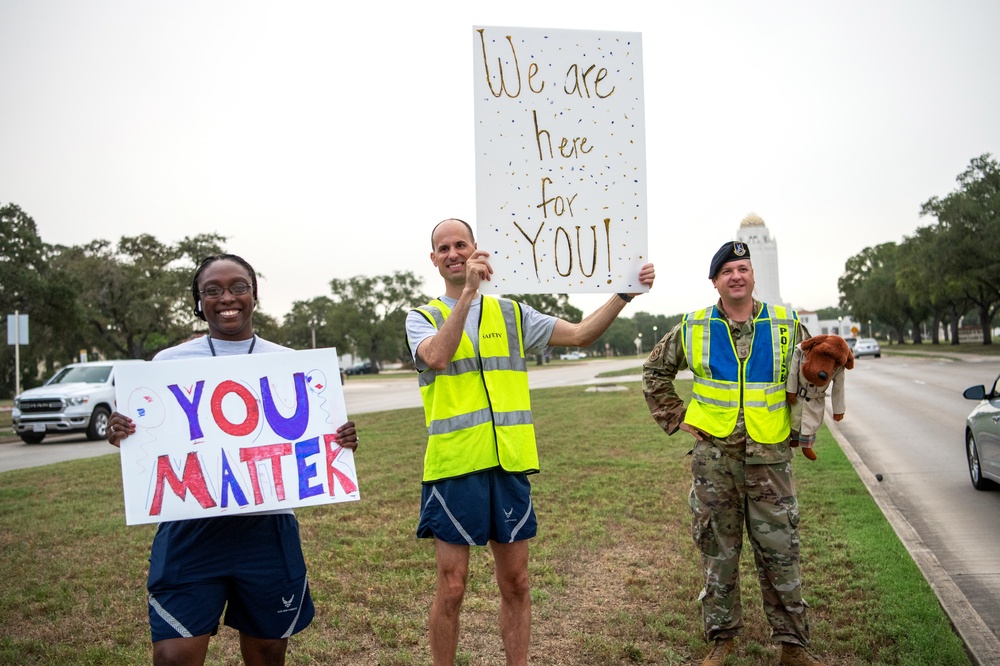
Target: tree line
{"x":947,"y":272}
{"x":132,"y":298}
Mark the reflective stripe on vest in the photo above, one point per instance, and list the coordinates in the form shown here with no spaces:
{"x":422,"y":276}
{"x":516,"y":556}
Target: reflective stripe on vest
{"x":478,"y":420}
{"x":722,"y":384}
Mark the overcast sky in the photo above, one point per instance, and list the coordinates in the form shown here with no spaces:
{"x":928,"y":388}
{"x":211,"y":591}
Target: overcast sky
{"x":326,"y":143}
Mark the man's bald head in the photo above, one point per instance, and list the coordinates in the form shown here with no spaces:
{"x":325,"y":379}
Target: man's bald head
{"x":472,"y":236}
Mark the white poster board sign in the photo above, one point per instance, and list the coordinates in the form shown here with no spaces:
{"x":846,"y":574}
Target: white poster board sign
{"x":560,"y":159}
{"x":233,"y":435}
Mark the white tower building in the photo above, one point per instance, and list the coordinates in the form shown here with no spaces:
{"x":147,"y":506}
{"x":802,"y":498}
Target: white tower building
{"x":764,"y":257}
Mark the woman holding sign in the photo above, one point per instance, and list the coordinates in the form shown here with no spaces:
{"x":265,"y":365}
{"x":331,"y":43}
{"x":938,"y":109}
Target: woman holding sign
{"x":250,"y":565}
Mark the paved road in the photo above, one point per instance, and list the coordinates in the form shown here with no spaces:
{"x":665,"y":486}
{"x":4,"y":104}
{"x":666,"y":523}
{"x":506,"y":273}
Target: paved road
{"x":905,"y":421}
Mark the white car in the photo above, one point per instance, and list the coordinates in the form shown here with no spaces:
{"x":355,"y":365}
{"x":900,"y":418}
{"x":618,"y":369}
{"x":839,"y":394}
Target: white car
{"x":867,"y":347}
{"x":78,"y":398}
{"x":570,"y":356}
{"x":982,"y":436}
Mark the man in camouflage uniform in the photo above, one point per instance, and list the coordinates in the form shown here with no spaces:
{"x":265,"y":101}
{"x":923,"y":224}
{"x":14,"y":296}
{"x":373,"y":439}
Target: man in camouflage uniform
{"x":741,"y":468}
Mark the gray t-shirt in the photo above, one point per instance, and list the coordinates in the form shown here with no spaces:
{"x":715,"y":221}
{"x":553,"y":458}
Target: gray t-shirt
{"x":537,"y":328}
{"x":199,"y":347}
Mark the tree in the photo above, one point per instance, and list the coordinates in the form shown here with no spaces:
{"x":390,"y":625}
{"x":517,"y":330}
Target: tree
{"x":266,"y":326}
{"x":29,"y":286}
{"x":22,"y":259}
{"x":315,"y":321}
{"x":373,"y":312}
{"x":621,"y":335}
{"x":619,"y":338}
{"x":926,"y":274}
{"x":868,"y":288}
{"x":970,"y":221}
{"x":830,"y":313}
{"x":136,"y":295}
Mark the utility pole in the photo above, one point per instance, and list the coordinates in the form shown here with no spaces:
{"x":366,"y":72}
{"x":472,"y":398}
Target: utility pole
{"x":17,"y":353}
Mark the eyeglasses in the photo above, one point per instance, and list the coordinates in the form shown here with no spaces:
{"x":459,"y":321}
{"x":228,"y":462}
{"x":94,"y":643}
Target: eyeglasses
{"x":237,"y":289}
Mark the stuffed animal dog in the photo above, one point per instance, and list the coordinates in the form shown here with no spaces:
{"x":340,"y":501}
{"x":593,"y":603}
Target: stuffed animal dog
{"x":817,"y":364}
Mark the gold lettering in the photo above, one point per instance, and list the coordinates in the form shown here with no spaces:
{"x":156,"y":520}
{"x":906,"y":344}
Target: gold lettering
{"x":569,"y":246}
{"x":579,"y":252}
{"x":503,"y":83}
{"x":534,"y":253}
{"x":576,"y":84}
{"x":532,"y":71}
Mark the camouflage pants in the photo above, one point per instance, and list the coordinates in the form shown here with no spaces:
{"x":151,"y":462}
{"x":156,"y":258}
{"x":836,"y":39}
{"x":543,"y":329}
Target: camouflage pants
{"x":725,"y":495}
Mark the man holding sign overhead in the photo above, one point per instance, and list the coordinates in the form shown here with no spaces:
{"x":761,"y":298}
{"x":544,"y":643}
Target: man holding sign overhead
{"x":470,"y":351}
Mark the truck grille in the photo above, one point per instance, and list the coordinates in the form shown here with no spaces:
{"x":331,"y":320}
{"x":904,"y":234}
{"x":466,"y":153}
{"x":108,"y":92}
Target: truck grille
{"x":41,"y":405}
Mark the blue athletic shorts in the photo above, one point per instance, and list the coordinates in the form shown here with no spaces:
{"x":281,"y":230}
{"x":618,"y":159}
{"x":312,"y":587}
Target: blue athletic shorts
{"x":251,"y":566}
{"x":473,"y":510}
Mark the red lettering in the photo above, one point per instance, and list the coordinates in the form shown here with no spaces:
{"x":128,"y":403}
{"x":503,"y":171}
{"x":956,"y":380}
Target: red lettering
{"x":193,"y":479}
{"x":333,"y":451}
{"x":272,"y":453}
{"x":253,"y":414}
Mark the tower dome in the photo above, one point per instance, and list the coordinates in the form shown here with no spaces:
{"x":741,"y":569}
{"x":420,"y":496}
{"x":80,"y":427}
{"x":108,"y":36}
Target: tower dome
{"x":763,"y":256}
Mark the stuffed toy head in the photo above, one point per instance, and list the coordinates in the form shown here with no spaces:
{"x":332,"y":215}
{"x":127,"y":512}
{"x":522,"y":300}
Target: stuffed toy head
{"x":824,"y":354}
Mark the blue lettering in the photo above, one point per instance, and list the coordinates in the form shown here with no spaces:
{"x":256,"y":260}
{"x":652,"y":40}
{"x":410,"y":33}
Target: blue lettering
{"x":303,"y":450}
{"x":292,"y":427}
{"x":229,"y":482}
{"x":190,"y":407}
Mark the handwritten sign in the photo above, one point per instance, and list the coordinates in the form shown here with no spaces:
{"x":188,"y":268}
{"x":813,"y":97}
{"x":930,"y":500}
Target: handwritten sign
{"x":233,"y":435}
{"x":560,"y":159}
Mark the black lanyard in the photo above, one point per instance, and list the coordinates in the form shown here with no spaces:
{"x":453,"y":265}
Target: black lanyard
{"x":249,"y":351}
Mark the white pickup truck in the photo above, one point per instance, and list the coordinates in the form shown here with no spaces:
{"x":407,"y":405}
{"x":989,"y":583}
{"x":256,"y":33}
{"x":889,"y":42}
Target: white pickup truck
{"x":78,"y":398}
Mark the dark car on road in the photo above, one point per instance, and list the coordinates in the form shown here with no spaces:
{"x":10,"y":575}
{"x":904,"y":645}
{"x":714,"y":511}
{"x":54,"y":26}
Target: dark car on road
{"x":362,"y":368}
{"x":982,"y":436}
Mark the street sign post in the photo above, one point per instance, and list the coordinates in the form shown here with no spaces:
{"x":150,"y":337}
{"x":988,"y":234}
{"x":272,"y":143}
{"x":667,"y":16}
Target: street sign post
{"x":17,"y":335}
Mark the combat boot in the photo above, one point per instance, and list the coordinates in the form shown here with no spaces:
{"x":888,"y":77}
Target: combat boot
{"x":723,"y":646}
{"x":796,"y":655}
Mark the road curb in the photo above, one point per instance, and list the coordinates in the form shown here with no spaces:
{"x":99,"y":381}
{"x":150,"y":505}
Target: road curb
{"x":983,"y":647}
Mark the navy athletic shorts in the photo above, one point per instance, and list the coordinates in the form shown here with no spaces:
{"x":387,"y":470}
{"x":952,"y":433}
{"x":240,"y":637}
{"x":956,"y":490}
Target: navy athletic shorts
{"x":251,"y":566}
{"x":472,"y":510}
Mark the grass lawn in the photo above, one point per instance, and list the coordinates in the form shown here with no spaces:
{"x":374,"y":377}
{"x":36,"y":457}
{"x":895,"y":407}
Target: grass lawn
{"x":943,"y":348}
{"x":615,"y":576}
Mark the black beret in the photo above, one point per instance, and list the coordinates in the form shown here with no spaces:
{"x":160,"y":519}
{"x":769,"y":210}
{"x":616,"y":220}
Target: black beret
{"x":731,"y":251}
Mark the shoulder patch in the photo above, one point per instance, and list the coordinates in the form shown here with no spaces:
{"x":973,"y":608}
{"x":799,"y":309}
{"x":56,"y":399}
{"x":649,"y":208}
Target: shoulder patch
{"x":655,"y":354}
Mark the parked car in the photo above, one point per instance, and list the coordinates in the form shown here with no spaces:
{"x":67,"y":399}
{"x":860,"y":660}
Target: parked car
{"x":362,"y":368}
{"x":570,"y":356}
{"x":867,"y":347}
{"x":78,"y":398}
{"x":982,"y":436}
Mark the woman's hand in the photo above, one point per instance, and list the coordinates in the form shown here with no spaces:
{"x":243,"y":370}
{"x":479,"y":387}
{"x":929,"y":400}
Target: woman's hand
{"x":119,"y":427}
{"x":347,"y":436}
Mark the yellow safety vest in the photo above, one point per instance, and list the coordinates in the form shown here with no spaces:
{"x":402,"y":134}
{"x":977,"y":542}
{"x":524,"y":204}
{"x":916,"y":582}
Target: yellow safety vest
{"x":722,"y":383}
{"x":478,"y":409}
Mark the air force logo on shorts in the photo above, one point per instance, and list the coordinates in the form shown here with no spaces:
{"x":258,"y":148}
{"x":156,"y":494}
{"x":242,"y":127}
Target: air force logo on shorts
{"x":476,"y":509}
